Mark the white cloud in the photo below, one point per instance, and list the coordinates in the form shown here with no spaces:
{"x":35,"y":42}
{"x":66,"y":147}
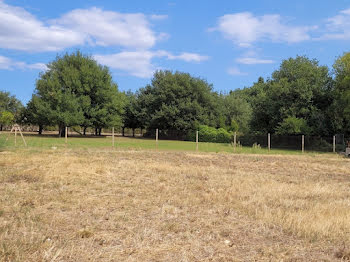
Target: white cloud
{"x":188,"y":57}
{"x":236,"y":72}
{"x":139,"y":63}
{"x":9,"y":64}
{"x":337,"y":27}
{"x":133,"y":63}
{"x":253,"y":61}
{"x":244,"y":29}
{"x":20,"y":30}
{"x":107,"y":28}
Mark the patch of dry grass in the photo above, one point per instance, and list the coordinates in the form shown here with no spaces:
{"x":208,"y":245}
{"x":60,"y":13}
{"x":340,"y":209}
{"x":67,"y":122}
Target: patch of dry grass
{"x":97,"y":205}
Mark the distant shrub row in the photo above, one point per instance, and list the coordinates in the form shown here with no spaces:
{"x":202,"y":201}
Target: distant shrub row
{"x":211,"y":134}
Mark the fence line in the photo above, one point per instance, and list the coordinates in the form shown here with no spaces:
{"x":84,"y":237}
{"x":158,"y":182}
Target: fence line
{"x":303,"y":143}
{"x":269,"y":141}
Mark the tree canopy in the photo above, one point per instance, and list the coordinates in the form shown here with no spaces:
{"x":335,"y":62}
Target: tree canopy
{"x":299,"y":89}
{"x":76,"y":90}
{"x":300,"y":97}
{"x":10,"y":108}
{"x":177,"y":101}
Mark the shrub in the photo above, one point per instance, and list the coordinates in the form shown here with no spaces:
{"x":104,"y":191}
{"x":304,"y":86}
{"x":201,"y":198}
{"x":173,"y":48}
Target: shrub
{"x":211,"y":134}
{"x":292,"y":126}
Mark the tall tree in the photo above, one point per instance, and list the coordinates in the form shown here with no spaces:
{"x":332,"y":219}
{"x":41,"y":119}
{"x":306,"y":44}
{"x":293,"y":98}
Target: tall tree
{"x":341,"y":105}
{"x":132,"y":113}
{"x":177,"y":101}
{"x":76,"y":90}
{"x":237,"y":112}
{"x":300,"y":89}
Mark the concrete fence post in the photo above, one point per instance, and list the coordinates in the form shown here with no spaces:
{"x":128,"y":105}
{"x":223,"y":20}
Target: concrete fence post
{"x":302,"y":143}
{"x":157,"y":138}
{"x":269,"y":141}
{"x":235,"y":141}
{"x":196,"y":140}
{"x":334,"y":144}
{"x":113,"y":136}
{"x":66,"y":135}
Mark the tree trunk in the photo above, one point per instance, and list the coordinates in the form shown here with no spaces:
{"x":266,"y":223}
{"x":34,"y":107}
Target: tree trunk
{"x":141,"y":131}
{"x":96,"y":131}
{"x":40,"y":129}
{"x":84,"y":130}
{"x":0,"y":127}
{"x":62,"y":131}
{"x":123,"y":131}
{"x":133,"y":132}
{"x":99,"y":131}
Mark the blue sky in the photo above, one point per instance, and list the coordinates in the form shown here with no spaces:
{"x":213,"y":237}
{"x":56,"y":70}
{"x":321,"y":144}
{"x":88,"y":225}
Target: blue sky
{"x":228,"y":43}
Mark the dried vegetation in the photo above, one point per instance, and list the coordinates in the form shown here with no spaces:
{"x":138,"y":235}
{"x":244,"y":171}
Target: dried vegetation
{"x":104,"y":205}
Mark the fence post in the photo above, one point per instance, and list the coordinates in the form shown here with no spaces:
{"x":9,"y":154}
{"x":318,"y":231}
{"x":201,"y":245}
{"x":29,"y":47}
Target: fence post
{"x":269,"y":141}
{"x":196,"y":140}
{"x":113,"y":136}
{"x":157,"y":138}
{"x":235,"y":141}
{"x":20,"y":131}
{"x":66,"y":135}
{"x":302,"y":143}
{"x":333,"y":144}
{"x":15,"y":137}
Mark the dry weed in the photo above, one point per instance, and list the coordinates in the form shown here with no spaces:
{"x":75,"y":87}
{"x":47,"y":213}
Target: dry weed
{"x":80,"y":205}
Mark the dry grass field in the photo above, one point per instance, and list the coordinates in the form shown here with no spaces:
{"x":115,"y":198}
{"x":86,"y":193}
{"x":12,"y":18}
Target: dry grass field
{"x":123,"y":205}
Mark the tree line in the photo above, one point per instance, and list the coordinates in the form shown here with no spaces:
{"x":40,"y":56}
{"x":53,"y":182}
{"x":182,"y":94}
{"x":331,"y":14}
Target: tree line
{"x":300,"y":97}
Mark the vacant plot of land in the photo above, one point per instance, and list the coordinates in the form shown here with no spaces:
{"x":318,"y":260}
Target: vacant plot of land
{"x":114,"y":205}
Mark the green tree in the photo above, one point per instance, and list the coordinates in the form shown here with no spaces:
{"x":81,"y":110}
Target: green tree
{"x":237,"y":112}
{"x":300,"y":88}
{"x":131,"y":116}
{"x":341,"y":105}
{"x":178,"y":102}
{"x":6,"y":118}
{"x":36,"y":113}
{"x":76,"y":90}
{"x":10,"y":104}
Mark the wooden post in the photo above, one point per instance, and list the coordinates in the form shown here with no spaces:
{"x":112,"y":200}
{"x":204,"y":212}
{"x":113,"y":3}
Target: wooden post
{"x":113,"y":136}
{"x":302,"y":143}
{"x":235,"y":141}
{"x":269,"y":141}
{"x":196,"y":140}
{"x":24,"y":141}
{"x":15,"y":136}
{"x":66,"y":135}
{"x":157,"y":138}
{"x":333,"y":144}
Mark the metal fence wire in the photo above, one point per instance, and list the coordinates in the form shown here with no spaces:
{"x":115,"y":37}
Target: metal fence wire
{"x":336,"y":143}
{"x":285,"y":142}
{"x":311,"y":143}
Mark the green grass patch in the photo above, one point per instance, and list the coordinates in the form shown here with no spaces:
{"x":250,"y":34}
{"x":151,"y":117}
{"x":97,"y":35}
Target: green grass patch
{"x":50,"y":141}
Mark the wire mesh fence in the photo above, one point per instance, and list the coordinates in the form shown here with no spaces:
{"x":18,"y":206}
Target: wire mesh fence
{"x":296,"y":142}
{"x":336,"y":143}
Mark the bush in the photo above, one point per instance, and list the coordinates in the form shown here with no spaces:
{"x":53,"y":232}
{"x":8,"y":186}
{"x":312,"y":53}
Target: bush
{"x":211,"y":134}
{"x":292,"y":126}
